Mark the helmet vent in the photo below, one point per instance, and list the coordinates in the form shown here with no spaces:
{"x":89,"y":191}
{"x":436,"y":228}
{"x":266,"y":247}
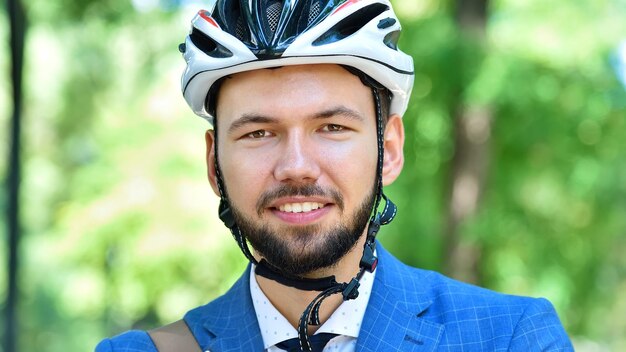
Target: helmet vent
{"x":273,"y":15}
{"x":351,"y":24}
{"x":208,"y":45}
{"x":240,"y":31}
{"x":202,"y":41}
{"x":391,"y":40}
{"x":315,"y":10}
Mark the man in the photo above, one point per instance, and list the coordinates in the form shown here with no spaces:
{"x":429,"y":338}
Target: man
{"x":306,"y":99}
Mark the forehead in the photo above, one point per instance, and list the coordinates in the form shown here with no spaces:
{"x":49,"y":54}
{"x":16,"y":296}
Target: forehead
{"x":292,"y":89}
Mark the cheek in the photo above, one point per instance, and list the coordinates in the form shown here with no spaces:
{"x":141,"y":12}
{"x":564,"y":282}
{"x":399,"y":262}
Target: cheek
{"x":245,"y":175}
{"x":352,"y":166}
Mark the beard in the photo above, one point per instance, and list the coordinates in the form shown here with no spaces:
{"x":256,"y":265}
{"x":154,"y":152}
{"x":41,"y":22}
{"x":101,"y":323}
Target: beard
{"x":300,"y":250}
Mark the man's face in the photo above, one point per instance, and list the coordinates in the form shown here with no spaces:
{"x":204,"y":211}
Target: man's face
{"x":297,"y":150}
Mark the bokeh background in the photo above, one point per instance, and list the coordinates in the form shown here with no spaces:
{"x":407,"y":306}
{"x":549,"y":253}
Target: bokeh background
{"x":515,"y":175}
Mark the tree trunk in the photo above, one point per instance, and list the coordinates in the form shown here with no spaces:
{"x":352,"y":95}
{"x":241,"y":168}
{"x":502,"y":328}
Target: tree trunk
{"x":471,"y":156}
{"x":17,"y":19}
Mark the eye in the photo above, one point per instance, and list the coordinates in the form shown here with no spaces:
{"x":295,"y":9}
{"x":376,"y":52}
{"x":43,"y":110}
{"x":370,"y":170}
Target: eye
{"x":257,"y":134}
{"x":333,"y":128}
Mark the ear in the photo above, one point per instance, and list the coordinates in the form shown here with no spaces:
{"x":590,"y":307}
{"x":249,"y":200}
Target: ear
{"x":394,"y":155}
{"x":209,"y":138}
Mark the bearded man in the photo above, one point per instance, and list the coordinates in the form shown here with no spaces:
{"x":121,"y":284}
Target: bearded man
{"x":306,"y":101}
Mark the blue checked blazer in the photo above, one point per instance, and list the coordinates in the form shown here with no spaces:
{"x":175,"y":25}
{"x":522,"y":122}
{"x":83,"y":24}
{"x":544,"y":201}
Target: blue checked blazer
{"x":409,"y":310}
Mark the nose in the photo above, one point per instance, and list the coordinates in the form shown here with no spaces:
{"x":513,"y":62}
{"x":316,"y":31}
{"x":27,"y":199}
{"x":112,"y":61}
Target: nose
{"x":297,"y":161}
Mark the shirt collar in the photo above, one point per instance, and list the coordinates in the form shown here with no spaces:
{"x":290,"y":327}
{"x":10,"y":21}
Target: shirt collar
{"x":345,"y":320}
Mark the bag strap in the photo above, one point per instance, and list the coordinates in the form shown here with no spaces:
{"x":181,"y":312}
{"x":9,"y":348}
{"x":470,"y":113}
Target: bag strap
{"x":175,"y":337}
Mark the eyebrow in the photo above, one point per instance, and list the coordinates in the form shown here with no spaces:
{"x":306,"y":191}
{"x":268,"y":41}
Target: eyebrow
{"x":248,"y":119}
{"x":325,"y":114}
{"x":339,"y":111}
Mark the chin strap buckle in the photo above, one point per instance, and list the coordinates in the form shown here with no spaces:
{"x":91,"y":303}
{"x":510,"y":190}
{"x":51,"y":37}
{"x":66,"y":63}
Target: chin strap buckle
{"x":369,"y":261}
{"x":352,"y":290}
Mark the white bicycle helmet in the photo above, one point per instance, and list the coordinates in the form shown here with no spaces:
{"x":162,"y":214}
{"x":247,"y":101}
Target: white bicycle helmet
{"x":233,"y":36}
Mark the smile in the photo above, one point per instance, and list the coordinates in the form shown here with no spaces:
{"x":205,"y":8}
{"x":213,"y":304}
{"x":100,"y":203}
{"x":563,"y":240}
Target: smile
{"x":300,"y":207}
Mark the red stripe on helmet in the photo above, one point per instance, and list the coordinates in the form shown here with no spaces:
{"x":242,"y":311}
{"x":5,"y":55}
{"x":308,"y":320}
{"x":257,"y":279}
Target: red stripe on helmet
{"x":344,"y":5}
{"x":207,"y":16}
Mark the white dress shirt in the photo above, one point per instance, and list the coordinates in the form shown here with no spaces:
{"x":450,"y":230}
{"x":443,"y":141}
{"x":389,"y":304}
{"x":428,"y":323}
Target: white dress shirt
{"x":345,"y":321}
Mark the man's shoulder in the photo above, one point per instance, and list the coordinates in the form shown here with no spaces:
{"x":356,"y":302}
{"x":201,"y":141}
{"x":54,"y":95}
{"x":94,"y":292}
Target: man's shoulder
{"x":454,"y":297}
{"x":140,"y":340}
{"x":441,"y":290}
{"x":223,"y":313}
{"x":471,"y":315}
{"x":130,"y":341}
{"x":520,"y":322}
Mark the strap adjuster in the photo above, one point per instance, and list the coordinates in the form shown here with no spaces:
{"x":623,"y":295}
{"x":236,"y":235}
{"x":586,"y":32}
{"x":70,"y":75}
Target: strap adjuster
{"x":352,"y":290}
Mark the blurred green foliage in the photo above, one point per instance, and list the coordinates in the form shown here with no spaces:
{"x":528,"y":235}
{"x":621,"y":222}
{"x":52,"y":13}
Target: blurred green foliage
{"x":120,"y":224}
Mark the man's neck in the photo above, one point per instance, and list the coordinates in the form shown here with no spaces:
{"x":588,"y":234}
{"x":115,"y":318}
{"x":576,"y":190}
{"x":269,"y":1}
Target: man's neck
{"x":291,"y":302}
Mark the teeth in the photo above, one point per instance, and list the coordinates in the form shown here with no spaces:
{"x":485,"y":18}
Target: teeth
{"x":300,"y":207}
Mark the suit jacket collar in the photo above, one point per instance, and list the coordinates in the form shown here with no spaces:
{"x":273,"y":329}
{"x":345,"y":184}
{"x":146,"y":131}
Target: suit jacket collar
{"x":229,"y":322}
{"x":393,"y":319}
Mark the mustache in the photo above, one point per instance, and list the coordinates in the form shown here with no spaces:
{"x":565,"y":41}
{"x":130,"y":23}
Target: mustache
{"x":309,"y":190}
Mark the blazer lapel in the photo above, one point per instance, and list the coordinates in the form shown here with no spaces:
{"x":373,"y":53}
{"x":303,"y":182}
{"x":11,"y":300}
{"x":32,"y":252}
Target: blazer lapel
{"x":393,"y":319}
{"x":229,"y":323}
